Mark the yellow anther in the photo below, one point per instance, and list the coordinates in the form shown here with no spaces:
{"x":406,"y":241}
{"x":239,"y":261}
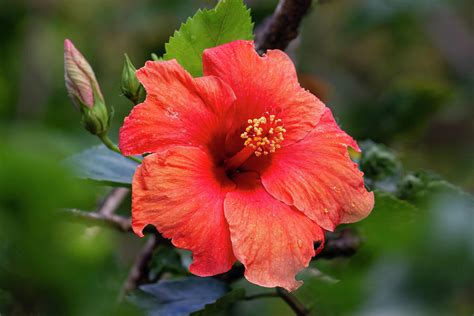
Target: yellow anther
{"x":264,"y":134}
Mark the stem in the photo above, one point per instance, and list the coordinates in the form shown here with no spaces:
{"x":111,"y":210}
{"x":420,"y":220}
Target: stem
{"x":110,"y":145}
{"x":293,"y":302}
{"x":260,"y":295}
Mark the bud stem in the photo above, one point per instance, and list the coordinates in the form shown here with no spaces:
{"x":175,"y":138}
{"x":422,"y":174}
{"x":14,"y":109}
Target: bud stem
{"x":110,"y":145}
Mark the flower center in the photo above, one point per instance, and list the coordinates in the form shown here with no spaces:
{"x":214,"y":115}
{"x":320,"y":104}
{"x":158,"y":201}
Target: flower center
{"x":262,"y":136}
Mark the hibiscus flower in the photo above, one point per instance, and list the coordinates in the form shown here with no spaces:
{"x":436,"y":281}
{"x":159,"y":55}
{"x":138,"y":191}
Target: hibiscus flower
{"x":243,"y":164}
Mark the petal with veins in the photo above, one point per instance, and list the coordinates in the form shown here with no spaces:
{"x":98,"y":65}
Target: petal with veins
{"x":262,"y":84}
{"x":178,"y":110}
{"x":317,"y":176}
{"x":273,"y":240}
{"x":181,"y":193}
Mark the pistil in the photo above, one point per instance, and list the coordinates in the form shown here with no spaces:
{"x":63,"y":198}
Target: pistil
{"x":238,"y":159}
{"x":262,"y":136}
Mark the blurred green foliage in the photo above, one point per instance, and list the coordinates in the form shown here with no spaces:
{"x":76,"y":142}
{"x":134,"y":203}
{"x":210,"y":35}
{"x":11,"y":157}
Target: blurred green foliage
{"x":415,"y":185}
{"x":382,"y":168}
{"x":41,"y":254}
{"x":404,"y":108}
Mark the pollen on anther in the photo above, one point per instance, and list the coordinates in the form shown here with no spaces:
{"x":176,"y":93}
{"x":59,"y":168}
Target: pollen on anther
{"x":264,"y":135}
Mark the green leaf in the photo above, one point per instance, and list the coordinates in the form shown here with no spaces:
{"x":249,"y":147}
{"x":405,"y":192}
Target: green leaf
{"x":49,"y":267}
{"x":230,"y":20}
{"x":392,"y":218}
{"x":103,"y":165}
{"x":221,"y":305}
{"x":178,"y":297}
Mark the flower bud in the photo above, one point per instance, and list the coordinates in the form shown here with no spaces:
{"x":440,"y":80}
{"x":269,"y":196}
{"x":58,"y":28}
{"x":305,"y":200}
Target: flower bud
{"x":130,"y":86}
{"x":84,"y":90}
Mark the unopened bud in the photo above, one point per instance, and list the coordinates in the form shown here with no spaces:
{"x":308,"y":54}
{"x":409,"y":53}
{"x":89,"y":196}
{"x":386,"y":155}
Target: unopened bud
{"x":84,"y":90}
{"x":130,"y":86}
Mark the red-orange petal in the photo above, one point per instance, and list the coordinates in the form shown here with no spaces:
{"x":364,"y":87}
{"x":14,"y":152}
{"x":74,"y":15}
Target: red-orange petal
{"x":181,"y":193}
{"x":317,"y":176}
{"x":262,"y":84}
{"x":178,"y":110}
{"x":273,"y":240}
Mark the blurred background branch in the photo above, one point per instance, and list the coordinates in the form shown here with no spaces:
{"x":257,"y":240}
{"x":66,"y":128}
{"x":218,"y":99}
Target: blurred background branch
{"x":113,"y":200}
{"x":140,"y":268}
{"x":118,"y":222}
{"x":277,"y":31}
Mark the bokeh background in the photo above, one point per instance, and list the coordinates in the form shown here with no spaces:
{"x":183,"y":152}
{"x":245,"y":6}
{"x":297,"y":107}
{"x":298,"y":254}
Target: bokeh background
{"x":397,"y":72}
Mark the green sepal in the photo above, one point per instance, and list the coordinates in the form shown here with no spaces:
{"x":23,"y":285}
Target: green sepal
{"x":96,"y":119}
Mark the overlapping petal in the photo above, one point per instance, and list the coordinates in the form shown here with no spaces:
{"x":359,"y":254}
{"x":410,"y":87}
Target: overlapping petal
{"x":181,"y":193}
{"x":273,"y":240}
{"x":262,"y":84}
{"x":178,"y":110}
{"x":317,"y":176}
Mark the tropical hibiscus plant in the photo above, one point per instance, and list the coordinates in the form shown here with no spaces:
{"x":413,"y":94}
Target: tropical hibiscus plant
{"x":235,"y":170}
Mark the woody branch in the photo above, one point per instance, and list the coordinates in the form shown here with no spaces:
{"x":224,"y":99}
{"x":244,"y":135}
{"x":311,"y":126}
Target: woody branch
{"x":339,"y":244}
{"x":277,"y":31}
